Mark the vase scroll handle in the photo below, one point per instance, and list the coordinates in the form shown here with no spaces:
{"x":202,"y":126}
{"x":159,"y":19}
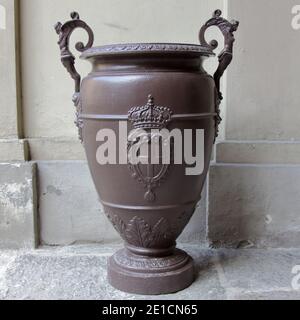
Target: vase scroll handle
{"x":225,"y":57}
{"x":64,"y":32}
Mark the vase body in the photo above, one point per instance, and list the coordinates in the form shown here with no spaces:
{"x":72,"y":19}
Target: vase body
{"x":148,"y":89}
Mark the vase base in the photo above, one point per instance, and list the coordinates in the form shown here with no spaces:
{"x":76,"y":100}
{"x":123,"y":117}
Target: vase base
{"x":146,"y":275}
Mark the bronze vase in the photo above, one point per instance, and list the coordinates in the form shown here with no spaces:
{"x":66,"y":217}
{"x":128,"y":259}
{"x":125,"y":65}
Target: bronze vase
{"x":150,"y":86}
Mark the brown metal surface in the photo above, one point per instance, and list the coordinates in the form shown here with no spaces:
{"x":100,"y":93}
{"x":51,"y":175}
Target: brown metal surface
{"x":148,"y":208}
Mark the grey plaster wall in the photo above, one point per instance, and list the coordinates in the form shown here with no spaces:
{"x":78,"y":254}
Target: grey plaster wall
{"x":263,"y":82}
{"x":46,"y":86}
{"x":9,"y":70}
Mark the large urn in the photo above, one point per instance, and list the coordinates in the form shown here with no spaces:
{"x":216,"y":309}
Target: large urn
{"x":135,"y":92}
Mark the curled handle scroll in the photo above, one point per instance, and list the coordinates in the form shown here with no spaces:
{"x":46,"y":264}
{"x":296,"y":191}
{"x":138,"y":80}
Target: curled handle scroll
{"x":225,"y":57}
{"x":64,"y":32}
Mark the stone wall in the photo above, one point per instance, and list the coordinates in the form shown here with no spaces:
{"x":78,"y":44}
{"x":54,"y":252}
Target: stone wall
{"x":46,"y":192}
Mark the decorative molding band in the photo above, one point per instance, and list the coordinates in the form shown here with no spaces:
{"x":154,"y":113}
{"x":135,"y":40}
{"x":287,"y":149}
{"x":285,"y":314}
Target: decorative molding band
{"x":166,"y":207}
{"x":117,"y":117}
{"x":70,"y":149}
{"x":193,"y":116}
{"x":147,"y":48}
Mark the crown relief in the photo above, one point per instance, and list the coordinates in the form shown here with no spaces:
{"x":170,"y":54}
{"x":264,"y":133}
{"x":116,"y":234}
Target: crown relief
{"x":150,"y":116}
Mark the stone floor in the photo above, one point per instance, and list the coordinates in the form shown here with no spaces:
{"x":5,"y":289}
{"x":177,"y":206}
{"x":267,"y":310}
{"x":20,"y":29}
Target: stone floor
{"x":79,"y":272}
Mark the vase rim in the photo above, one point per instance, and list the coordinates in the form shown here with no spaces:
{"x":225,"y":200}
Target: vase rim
{"x":148,"y":48}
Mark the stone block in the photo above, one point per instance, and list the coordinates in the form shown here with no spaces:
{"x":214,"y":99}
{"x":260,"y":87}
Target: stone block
{"x":258,"y":152}
{"x":51,"y":274}
{"x":13,"y":150}
{"x":79,"y":272}
{"x":18,"y":206}
{"x":195,"y":231}
{"x":55,"y":149}
{"x":254,"y":205}
{"x":69,"y":208}
{"x":259,"y":274}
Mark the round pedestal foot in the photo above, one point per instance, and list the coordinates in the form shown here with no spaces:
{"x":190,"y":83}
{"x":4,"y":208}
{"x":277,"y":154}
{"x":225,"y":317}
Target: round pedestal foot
{"x":150,"y":275}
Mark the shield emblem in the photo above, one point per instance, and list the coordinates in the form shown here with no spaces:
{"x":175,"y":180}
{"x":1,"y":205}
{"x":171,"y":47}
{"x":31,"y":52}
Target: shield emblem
{"x":145,"y":145}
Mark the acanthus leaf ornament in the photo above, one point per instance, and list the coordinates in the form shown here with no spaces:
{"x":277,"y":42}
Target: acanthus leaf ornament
{"x":225,"y":57}
{"x":139,"y":233}
{"x":161,"y":231}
